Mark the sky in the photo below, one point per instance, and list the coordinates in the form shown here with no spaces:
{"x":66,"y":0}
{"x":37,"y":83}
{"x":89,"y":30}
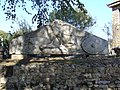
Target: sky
{"x":96,"y":8}
{"x":101,"y":13}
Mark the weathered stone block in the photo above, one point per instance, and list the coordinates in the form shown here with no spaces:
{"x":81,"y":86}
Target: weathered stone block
{"x":18,"y":56}
{"x":58,"y":38}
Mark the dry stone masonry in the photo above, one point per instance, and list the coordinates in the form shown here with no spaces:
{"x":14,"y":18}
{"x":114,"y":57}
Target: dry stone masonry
{"x":89,"y":74}
{"x":1,"y":52}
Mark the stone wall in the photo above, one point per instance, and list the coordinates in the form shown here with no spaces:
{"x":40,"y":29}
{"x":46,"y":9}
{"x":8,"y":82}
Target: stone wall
{"x":1,"y":52}
{"x":88,"y":74}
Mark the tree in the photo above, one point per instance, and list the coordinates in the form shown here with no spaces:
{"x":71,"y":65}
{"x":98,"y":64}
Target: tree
{"x":3,"y":34}
{"x":107,"y":29}
{"x":42,"y":7}
{"x":24,"y":28}
{"x":4,"y":41}
{"x":78,"y":18}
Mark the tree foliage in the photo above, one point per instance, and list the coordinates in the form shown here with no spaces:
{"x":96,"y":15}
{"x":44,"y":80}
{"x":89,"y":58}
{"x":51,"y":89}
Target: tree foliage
{"x":78,"y":18}
{"x":3,"y":34}
{"x":42,"y":7}
{"x":23,"y":28}
{"x":5,"y":38}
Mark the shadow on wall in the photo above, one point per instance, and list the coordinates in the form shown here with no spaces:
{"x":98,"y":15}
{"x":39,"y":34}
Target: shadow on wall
{"x":58,"y":38}
{"x":50,"y":40}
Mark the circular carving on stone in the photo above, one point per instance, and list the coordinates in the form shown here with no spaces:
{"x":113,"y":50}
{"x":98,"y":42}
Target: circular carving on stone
{"x":94,"y":45}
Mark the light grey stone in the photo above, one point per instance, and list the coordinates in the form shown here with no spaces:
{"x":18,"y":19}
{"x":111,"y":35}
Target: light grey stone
{"x":3,"y":80}
{"x":58,"y":38}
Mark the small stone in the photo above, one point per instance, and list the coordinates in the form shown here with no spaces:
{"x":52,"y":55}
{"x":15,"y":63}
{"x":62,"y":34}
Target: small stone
{"x":3,"y":80}
{"x":109,"y":89}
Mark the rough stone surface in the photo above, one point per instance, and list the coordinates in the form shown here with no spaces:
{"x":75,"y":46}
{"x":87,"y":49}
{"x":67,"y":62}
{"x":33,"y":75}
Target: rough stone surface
{"x":58,"y":38}
{"x":1,"y":52}
{"x":115,"y":5}
{"x":89,"y":74}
